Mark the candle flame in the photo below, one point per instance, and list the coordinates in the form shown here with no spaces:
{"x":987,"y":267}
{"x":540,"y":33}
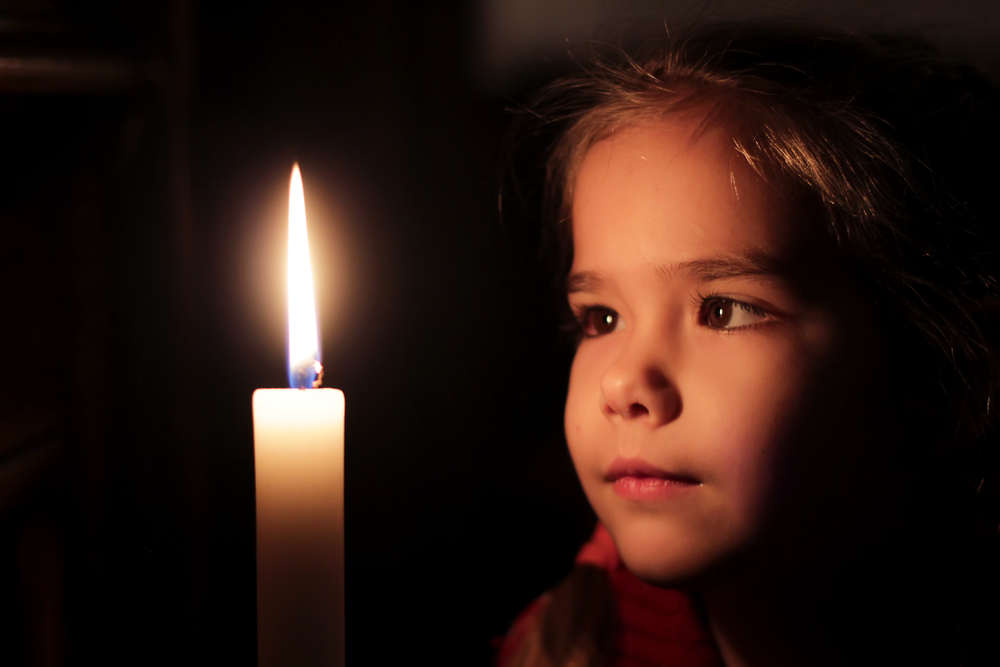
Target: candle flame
{"x":303,"y":339}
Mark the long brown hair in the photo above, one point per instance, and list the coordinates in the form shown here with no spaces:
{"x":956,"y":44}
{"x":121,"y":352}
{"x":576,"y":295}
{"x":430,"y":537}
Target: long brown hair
{"x":894,"y":148}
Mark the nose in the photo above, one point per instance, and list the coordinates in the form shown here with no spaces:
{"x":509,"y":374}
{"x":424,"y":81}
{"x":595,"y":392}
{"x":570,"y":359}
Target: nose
{"x":637,"y":387}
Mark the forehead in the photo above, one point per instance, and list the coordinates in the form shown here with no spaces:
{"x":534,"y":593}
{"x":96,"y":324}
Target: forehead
{"x":669,"y":191}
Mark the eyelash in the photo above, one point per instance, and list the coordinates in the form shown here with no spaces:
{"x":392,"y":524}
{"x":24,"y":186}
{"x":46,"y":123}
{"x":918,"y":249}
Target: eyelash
{"x":702,"y":302}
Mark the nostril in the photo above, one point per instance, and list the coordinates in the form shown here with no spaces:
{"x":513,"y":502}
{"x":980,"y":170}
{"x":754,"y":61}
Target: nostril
{"x":637,"y":410}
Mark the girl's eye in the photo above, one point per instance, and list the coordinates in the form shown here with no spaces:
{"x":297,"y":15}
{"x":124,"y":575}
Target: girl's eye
{"x":598,"y":321}
{"x":721,"y":313}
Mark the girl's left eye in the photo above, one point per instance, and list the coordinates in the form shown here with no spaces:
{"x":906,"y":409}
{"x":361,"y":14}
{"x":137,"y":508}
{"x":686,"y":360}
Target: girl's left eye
{"x":723,"y":313}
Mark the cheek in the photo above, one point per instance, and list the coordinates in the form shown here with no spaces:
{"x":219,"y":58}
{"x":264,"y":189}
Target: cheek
{"x":741,"y":397}
{"x":590,"y":435}
{"x":583,"y":420}
{"x":792,"y":433}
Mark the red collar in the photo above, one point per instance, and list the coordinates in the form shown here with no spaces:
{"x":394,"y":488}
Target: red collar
{"x":657,"y":626}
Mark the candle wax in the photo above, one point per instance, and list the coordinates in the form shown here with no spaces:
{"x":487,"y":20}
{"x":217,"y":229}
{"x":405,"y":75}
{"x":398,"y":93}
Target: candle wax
{"x":299,"y":467}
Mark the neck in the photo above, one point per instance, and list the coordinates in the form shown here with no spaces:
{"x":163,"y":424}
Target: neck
{"x":866,"y":611}
{"x":768,"y":622}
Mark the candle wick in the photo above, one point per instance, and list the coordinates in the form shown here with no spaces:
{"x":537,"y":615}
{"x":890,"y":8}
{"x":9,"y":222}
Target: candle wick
{"x":318,"y":382}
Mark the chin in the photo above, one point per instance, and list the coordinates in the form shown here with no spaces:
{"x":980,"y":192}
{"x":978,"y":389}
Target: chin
{"x":666,"y":556}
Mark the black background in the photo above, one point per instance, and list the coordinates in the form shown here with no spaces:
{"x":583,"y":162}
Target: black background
{"x":460,"y":501}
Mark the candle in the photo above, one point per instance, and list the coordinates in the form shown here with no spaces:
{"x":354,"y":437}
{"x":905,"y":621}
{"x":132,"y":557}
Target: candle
{"x":299,"y":464}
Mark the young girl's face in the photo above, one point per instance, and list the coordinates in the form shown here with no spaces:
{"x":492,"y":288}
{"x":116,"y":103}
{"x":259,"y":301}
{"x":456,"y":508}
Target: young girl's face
{"x":727,"y":399}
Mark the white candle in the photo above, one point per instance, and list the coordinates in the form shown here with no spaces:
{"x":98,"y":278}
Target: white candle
{"x":299,"y":463}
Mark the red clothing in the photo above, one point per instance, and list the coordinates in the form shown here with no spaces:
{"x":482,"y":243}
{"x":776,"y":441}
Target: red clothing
{"x":656,"y":626}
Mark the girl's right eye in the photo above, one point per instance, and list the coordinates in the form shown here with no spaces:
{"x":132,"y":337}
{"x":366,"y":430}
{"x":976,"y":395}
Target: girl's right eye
{"x":598,"y":321}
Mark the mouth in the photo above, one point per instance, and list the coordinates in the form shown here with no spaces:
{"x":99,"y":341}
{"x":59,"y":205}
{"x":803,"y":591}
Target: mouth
{"x":637,"y":480}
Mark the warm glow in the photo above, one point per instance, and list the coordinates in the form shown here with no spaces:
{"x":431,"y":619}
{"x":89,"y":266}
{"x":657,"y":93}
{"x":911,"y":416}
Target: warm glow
{"x":303,"y":341}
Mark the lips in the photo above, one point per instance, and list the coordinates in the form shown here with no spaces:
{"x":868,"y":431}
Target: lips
{"x":638,"y":480}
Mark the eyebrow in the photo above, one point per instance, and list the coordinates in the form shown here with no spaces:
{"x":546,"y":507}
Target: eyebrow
{"x":698,"y":270}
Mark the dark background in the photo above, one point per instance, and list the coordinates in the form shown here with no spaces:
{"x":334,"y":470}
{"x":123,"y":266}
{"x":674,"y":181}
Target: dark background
{"x":145,"y":150}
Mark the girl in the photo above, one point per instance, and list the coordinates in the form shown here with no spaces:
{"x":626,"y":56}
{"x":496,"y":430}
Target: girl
{"x":779,"y":255}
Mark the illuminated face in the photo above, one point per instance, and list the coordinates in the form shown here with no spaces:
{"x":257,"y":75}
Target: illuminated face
{"x":726,"y":401}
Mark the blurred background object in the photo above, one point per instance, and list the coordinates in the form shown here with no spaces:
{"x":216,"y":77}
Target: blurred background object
{"x":516,"y":36}
{"x":145,"y":157}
